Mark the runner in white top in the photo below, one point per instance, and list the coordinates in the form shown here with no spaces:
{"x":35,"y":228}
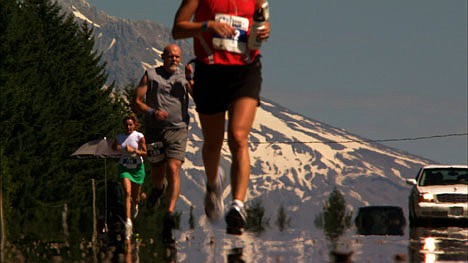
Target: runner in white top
{"x":132,"y":145}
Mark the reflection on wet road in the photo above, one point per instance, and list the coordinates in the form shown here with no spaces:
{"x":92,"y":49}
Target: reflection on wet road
{"x":432,"y":243}
{"x":440,"y":243}
{"x":422,"y":244}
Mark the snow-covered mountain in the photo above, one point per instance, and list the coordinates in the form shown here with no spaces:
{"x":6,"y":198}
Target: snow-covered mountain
{"x":128,"y":47}
{"x":296,"y":161}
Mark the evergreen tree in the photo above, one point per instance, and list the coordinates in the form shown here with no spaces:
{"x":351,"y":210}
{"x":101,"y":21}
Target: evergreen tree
{"x":282,"y":220}
{"x":256,"y":221}
{"x":335,"y":218}
{"x":191,"y":218}
{"x":7,"y":10}
{"x":53,"y":100}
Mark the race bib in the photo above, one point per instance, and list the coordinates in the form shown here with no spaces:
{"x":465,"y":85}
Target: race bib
{"x":130,"y":162}
{"x":237,"y":43}
{"x":156,"y":152}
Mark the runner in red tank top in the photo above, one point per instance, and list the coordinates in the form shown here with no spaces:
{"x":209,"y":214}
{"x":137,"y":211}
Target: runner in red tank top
{"x":227,"y":79}
{"x":207,"y":44}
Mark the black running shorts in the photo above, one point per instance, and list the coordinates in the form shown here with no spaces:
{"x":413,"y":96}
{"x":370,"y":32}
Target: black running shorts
{"x":217,"y":86}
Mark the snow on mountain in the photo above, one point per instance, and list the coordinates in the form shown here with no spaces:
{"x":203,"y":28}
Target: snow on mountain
{"x":296,"y":161}
{"x":128,"y":47}
{"x":79,"y":15}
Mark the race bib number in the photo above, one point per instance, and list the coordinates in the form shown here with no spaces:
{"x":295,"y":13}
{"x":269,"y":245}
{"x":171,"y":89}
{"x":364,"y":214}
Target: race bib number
{"x":156,"y":152}
{"x":237,"y":43}
{"x":130,"y":162}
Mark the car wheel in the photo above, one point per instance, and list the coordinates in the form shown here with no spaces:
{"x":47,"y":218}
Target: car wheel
{"x":413,"y":219}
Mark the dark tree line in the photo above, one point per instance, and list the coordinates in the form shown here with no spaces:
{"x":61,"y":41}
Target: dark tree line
{"x":52,"y":100}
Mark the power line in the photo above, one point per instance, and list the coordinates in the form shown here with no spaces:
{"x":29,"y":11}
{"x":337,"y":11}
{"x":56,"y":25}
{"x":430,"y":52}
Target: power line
{"x":326,"y":142}
{"x":353,"y":141}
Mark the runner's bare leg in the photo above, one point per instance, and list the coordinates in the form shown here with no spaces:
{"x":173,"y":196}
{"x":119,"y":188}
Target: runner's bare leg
{"x":173,"y":183}
{"x":213,"y":134}
{"x":241,"y":117}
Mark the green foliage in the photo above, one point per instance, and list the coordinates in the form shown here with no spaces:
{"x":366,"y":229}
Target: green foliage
{"x":256,"y":222}
{"x":52,"y":101}
{"x":335,"y":219}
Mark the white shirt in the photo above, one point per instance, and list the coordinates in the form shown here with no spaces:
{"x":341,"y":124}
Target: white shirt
{"x":130,"y":160}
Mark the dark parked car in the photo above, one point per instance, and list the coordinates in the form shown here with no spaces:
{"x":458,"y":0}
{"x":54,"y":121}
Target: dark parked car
{"x":380,"y":220}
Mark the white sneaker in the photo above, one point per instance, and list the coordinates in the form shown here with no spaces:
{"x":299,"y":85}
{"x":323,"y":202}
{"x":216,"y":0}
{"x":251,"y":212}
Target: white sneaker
{"x":128,"y":229}
{"x":214,"y":205}
{"x":135,"y":211}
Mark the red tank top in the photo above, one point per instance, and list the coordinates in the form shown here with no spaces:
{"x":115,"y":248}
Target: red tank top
{"x":213,"y":49}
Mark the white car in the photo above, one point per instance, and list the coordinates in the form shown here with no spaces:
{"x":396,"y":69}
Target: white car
{"x":439,"y":192}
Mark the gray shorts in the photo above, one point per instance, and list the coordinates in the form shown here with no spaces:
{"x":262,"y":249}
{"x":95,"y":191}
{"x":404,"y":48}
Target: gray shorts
{"x":174,"y":142}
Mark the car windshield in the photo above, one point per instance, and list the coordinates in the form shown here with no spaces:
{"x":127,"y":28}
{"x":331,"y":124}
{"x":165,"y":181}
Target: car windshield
{"x":444,"y":176}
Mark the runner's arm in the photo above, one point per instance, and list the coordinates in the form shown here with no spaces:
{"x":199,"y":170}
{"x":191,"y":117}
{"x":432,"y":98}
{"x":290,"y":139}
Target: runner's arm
{"x":142,"y":147}
{"x":184,"y":27}
{"x":138,"y":104}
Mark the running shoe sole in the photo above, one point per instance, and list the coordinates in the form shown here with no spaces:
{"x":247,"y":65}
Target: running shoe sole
{"x":235,"y":221}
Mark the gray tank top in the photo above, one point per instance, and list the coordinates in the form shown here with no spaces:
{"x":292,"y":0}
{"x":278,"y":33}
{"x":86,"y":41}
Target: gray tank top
{"x":167,"y":92}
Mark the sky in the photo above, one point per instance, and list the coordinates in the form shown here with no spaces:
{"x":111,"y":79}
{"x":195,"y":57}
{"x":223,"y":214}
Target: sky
{"x":380,"y":69}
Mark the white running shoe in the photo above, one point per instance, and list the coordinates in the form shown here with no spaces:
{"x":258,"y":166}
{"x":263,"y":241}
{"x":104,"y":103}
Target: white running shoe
{"x":214,"y":203}
{"x":135,"y":211}
{"x":128,"y":229}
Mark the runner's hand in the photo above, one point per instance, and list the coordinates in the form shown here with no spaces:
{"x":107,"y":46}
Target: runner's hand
{"x":222,"y":29}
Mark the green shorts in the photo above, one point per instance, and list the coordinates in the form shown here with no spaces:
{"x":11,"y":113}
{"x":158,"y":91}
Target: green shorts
{"x":136,"y":175}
